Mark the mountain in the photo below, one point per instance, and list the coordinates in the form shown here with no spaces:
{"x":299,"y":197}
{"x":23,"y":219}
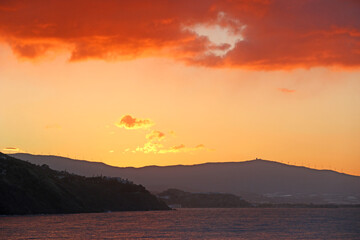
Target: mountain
{"x":255,"y":180}
{"x":26,"y":188}
{"x":175,"y":197}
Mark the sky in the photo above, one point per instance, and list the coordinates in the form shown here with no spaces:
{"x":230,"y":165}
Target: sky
{"x":137,"y":83}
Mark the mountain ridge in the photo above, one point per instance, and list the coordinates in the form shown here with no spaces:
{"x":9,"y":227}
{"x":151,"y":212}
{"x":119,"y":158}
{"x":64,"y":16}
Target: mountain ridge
{"x":254,"y":180}
{"x":23,"y":155}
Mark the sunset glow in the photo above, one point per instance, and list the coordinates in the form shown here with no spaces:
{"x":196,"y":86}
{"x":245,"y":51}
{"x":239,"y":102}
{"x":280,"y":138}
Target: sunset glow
{"x":136,"y":83}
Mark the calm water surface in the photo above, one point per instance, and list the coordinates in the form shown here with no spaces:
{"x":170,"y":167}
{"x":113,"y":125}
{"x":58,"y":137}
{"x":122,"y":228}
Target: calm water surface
{"x":189,"y":224}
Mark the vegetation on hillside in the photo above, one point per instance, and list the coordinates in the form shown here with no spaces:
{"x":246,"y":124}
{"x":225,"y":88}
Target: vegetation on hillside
{"x":26,"y":188}
{"x":180,"y":198}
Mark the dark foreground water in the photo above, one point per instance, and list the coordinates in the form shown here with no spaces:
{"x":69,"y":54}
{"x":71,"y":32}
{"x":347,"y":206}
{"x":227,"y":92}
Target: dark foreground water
{"x":189,"y":224}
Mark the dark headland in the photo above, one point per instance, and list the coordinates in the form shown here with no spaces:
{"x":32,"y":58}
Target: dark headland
{"x":177,"y":198}
{"x":26,"y":188}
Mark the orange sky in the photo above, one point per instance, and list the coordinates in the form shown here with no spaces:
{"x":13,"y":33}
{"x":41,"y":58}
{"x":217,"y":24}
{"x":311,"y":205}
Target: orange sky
{"x":134,"y":83}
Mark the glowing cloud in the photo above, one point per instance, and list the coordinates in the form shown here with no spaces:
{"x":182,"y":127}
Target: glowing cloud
{"x":286,"y":90}
{"x":182,"y":148}
{"x":11,"y":150}
{"x":150,"y":147}
{"x":155,"y":135}
{"x":200,"y":146}
{"x":130,"y":122}
{"x":153,"y":145}
{"x":262,"y":34}
{"x":221,"y":36}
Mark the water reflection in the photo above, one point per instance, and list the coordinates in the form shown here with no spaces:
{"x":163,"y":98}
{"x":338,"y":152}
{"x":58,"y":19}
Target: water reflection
{"x":189,"y":224}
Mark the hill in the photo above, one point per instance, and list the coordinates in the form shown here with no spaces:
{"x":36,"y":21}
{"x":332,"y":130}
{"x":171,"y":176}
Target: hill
{"x":175,"y":197}
{"x":26,"y":188}
{"x":255,"y":180}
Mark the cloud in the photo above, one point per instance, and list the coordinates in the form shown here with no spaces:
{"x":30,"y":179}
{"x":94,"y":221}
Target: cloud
{"x":11,"y":150}
{"x":200,"y":146}
{"x":261,"y":34}
{"x":130,"y":122}
{"x":154,"y":145}
{"x":150,"y":147}
{"x":181,"y":148}
{"x":286,"y":90}
{"x":155,"y":135}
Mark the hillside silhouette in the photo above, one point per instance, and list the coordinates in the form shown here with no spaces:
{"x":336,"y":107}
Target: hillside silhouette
{"x":255,"y":180}
{"x":26,"y":188}
{"x":178,"y":198}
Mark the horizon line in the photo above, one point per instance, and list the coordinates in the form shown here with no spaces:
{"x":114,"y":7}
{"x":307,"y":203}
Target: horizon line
{"x":186,"y":165}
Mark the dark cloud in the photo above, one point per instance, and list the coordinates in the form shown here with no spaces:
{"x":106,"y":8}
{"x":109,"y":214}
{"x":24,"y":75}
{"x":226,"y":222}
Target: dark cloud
{"x":276,"y":34}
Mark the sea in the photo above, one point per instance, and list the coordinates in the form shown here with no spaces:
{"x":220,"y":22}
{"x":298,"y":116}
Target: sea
{"x":237,"y":223}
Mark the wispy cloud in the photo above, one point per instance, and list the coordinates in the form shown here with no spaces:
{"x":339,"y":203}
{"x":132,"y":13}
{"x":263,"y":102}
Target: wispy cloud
{"x":155,"y":138}
{"x":182,"y":148}
{"x":150,"y":147}
{"x":286,"y":90}
{"x":154,"y":145}
{"x":155,"y":135}
{"x":130,"y":122}
{"x":11,"y":150}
